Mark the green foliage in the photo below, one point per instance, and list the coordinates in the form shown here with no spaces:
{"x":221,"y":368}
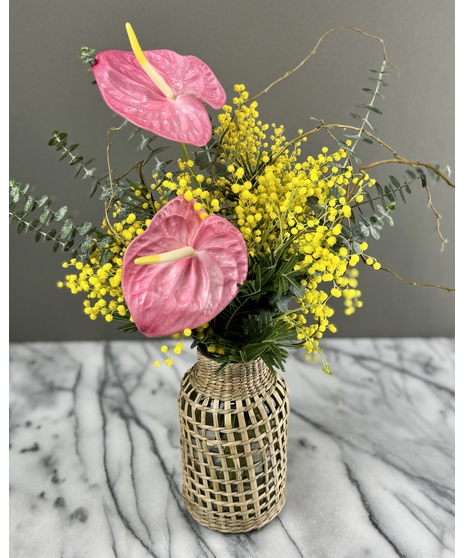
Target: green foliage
{"x":260,"y":321}
{"x":59,"y":141}
{"x":87,"y":55}
{"x":37,"y":216}
{"x":369,"y":221}
{"x":252,"y":325}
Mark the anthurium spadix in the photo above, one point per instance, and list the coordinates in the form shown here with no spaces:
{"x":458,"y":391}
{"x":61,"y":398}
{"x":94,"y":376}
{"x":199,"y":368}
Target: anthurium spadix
{"x":160,"y":91}
{"x":182,"y":270}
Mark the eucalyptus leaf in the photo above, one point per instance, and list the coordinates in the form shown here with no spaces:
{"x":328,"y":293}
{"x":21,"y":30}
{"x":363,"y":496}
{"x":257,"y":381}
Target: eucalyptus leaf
{"x":364,"y":120}
{"x":46,"y":215}
{"x":370,"y":107}
{"x":394,"y":181}
{"x":85,"y":228}
{"x":389,"y":192}
{"x":66,"y":229}
{"x":376,"y":222}
{"x":370,"y":201}
{"x":375,"y":233}
{"x":68,"y":245}
{"x":358,"y":233}
{"x":402,"y":195}
{"x":60,"y":214}
{"x":50,"y":235}
{"x":43,"y":201}
{"x":30,"y":205}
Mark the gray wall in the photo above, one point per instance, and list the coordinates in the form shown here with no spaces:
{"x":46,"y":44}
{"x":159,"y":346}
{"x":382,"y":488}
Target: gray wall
{"x":251,"y":42}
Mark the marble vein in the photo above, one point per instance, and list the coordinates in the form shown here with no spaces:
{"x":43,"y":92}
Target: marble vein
{"x":95,"y":461}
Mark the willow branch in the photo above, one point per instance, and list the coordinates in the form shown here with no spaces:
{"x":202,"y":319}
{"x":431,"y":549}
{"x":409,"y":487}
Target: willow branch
{"x":109,"y":202}
{"x":402,"y":161}
{"x":315,"y":48}
{"x":448,"y":289}
{"x":414,"y":164}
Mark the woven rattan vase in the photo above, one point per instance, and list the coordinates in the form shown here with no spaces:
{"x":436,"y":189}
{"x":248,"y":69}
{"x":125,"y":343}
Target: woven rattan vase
{"x":233,"y":444}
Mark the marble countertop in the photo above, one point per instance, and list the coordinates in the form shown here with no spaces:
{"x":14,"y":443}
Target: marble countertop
{"x":95,"y":466}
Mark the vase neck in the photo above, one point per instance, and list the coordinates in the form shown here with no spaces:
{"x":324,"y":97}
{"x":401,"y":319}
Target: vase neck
{"x":237,"y":380}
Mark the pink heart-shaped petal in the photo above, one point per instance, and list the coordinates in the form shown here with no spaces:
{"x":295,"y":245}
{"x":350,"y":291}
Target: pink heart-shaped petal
{"x":128,"y":90}
{"x":166,"y":298}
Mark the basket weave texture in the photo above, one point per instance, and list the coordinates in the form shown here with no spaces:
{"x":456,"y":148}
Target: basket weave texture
{"x":233,"y":444}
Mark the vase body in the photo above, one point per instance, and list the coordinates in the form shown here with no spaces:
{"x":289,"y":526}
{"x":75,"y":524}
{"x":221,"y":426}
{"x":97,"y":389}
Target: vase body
{"x":233,"y":444}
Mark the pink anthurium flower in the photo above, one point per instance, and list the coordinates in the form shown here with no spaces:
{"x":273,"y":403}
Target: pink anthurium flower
{"x":182,"y":270}
{"x":160,"y":91}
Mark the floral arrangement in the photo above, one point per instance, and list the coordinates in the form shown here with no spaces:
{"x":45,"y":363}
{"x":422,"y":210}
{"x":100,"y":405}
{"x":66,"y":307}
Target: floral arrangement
{"x":246,"y":244}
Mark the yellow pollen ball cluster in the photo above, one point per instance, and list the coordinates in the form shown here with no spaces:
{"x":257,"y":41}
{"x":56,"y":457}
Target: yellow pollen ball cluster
{"x":283,"y":204}
{"x":100,"y":278}
{"x":276,"y":199}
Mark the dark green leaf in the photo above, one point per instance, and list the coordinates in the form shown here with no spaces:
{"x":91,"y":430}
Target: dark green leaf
{"x":379,"y":189}
{"x":69,"y":244}
{"x":376,"y":222}
{"x":364,"y":120}
{"x":402,"y":195}
{"x":252,"y":352}
{"x":105,"y":257}
{"x":350,"y":152}
{"x":390,"y":193}
{"x":35,"y":224}
{"x":51,"y":234}
{"x":359,"y":234}
{"x":368,"y":90}
{"x":394,"y":181}
{"x":371,"y":107}
{"x":104,"y":241}
{"x":75,"y":160}
{"x":376,"y":80}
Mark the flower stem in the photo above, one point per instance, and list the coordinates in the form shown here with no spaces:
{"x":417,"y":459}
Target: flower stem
{"x":187,"y":158}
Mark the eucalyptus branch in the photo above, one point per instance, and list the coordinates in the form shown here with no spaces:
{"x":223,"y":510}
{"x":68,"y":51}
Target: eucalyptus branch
{"x":59,"y":141}
{"x":375,"y":94}
{"x":29,"y":226}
